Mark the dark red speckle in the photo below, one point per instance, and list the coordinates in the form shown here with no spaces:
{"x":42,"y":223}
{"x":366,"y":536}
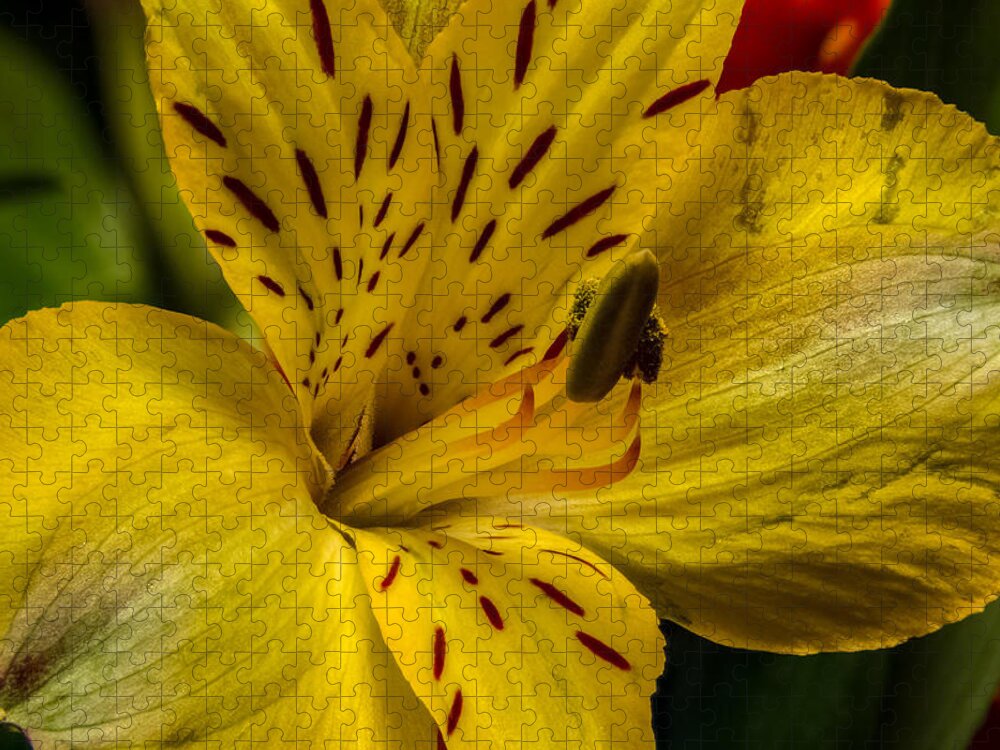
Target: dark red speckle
{"x":604,"y":651}
{"x":491,"y":612}
{"x":391,"y":575}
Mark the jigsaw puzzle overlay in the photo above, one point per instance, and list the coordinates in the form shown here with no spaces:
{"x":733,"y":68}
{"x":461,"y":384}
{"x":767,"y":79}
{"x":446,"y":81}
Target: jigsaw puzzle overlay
{"x":556,"y":342}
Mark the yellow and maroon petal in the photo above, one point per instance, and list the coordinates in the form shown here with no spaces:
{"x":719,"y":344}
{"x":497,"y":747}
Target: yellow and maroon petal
{"x":512,"y":633}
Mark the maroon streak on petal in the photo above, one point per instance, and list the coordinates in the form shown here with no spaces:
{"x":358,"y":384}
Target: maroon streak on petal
{"x":578,"y":212}
{"x":558,"y":596}
{"x":469,"y":576}
{"x":197,"y":120}
{"x":503,"y":337}
{"x":425,"y":390}
{"x":525,"y":37}
{"x":437,"y":362}
{"x":380,"y":216}
{"x":460,"y":323}
{"x":411,"y":240}
{"x":373,"y":281}
{"x":272,"y":285}
{"x":437,"y":145}
{"x":491,"y":612}
{"x":311,"y":179}
{"x":496,"y":307}
{"x":455,"y":713}
{"x":440,"y":648}
{"x":386,"y":246}
{"x":676,"y":97}
{"x":538,"y":148}
{"x":606,"y":243}
{"x":377,"y":341}
{"x":361,"y":145}
{"x":323,"y":37}
{"x":257,"y":208}
{"x":397,"y":147}
{"x":457,"y":101}
{"x":557,"y":346}
{"x":604,"y":651}
{"x":338,"y":264}
{"x":219,"y":238}
{"x":468,"y":170}
{"x":307,"y":298}
{"x":484,"y":238}
{"x":391,"y":575}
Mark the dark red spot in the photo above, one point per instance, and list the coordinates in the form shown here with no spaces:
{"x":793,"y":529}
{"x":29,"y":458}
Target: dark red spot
{"x":676,"y":97}
{"x":525,"y":36}
{"x":557,"y":346}
{"x":425,"y":389}
{"x":344,"y":342}
{"x":219,"y":238}
{"x":361,"y":216}
{"x":411,"y":357}
{"x":437,"y":362}
{"x":578,"y":212}
{"x":484,"y":238}
{"x":272,"y":285}
{"x":604,"y":651}
{"x":391,"y":575}
{"x":455,"y":713}
{"x":338,"y":264}
{"x":404,"y":548}
{"x":311,"y":179}
{"x":307,"y":383}
{"x":397,"y":146}
{"x":496,"y":307}
{"x":495,"y":553}
{"x":503,"y":337}
{"x":606,"y":243}
{"x":340,"y":314}
{"x":338,"y":363}
{"x":377,"y":341}
{"x":469,"y":576}
{"x":317,"y":338}
{"x":308,"y":300}
{"x":323,"y":37}
{"x":383,"y":209}
{"x":411,"y":240}
{"x":373,"y":281}
{"x":538,"y":148}
{"x":312,"y":356}
{"x":460,"y":323}
{"x":386,"y":246}
{"x":457,"y":101}
{"x":517,"y":354}
{"x":416,"y":373}
{"x":257,"y":208}
{"x":491,"y":612}
{"x":558,"y":596}
{"x":468,"y":170}
{"x":435,"y":543}
{"x":440,"y":647}
{"x":578,"y":559}
{"x":440,"y":741}
{"x":361,"y":144}
{"x":197,"y":120}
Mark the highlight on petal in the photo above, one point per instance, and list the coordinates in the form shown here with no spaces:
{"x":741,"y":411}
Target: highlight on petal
{"x":165,"y":574}
{"x":817,"y":471}
{"x":510,"y":633}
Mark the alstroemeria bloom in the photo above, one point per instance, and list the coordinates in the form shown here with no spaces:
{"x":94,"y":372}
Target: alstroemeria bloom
{"x":393,"y":528}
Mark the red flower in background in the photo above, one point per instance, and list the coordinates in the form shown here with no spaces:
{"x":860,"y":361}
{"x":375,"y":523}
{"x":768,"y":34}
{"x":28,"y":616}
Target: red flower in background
{"x":779,"y":35}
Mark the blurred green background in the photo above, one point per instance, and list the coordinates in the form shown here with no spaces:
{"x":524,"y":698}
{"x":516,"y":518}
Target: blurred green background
{"x":89,"y":210}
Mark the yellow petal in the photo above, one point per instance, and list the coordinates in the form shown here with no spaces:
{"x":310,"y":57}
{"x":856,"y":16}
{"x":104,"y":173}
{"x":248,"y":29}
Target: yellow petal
{"x":293,"y":128}
{"x":818,"y":471}
{"x":165,"y":574}
{"x":547,"y":133}
{"x":514,"y":634}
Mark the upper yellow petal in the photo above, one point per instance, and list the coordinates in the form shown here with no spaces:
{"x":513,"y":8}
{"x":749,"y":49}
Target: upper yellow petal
{"x":164,"y":572}
{"x":816,"y":470}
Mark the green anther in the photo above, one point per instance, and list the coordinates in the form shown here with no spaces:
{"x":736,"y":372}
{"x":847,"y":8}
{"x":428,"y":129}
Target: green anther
{"x":607,"y":342}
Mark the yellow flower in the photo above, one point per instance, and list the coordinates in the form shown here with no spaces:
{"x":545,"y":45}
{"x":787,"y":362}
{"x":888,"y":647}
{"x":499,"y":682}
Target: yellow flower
{"x":393,"y":528}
